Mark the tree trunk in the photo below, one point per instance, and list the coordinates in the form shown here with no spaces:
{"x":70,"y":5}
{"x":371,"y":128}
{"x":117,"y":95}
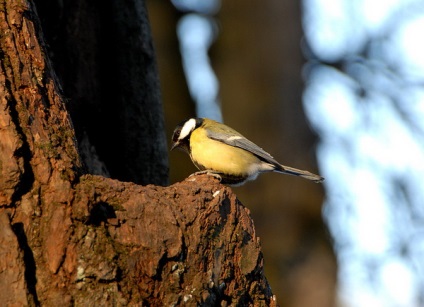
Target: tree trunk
{"x":72,"y":239}
{"x":104,"y":55}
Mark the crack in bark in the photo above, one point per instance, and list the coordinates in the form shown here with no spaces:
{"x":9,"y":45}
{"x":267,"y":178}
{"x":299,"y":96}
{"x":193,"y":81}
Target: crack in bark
{"x":100,"y":212}
{"x":30,"y":268}
{"x":27,"y":176}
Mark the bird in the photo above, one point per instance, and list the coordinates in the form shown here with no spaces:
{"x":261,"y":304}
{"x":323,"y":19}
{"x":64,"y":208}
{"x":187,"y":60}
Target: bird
{"x":222,"y":152}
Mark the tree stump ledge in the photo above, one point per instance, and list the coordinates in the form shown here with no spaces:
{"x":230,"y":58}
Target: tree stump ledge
{"x":120,"y":244}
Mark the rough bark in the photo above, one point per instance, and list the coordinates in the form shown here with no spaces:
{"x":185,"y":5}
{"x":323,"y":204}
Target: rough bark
{"x":71,"y":239}
{"x":188,"y":243}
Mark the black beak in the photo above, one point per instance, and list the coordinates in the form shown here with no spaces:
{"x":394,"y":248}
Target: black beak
{"x":175,"y":145}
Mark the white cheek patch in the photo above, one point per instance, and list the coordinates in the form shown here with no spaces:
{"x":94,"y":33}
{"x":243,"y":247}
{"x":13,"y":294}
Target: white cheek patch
{"x":187,"y":128}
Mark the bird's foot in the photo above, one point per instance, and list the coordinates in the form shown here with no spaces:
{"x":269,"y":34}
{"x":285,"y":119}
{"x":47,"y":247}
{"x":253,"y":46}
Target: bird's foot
{"x":207,"y":172}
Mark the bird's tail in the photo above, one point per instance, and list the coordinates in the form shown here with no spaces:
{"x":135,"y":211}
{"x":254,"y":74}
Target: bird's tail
{"x":297,"y":172}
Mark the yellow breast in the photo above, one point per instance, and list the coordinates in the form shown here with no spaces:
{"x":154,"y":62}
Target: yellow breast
{"x":208,"y":154}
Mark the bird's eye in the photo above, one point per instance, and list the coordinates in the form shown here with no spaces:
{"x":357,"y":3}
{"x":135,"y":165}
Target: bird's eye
{"x":176,"y":136}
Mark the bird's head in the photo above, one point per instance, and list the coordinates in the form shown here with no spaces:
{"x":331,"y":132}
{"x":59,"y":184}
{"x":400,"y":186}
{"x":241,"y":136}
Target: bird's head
{"x":181,"y":135}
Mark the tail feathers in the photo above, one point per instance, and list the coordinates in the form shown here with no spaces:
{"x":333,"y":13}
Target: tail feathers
{"x":297,"y":172}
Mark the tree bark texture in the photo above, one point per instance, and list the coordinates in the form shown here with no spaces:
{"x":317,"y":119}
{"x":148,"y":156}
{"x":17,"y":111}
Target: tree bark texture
{"x":71,"y":239}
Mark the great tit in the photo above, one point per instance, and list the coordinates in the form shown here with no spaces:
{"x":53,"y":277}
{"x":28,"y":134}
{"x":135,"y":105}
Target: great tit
{"x":221,"y":151}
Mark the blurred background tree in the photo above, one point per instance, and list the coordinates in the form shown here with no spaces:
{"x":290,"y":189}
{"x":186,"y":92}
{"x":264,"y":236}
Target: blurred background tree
{"x":354,"y":71}
{"x":365,"y":97}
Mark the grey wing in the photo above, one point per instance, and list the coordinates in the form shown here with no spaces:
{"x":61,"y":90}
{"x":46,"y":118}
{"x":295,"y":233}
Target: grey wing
{"x":237,"y":140}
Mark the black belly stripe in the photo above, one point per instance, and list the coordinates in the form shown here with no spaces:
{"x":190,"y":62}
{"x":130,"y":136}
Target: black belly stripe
{"x":230,"y":179}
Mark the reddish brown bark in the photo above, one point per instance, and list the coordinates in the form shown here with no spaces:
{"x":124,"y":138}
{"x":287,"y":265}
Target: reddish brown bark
{"x":71,"y":239}
{"x":191,"y":242}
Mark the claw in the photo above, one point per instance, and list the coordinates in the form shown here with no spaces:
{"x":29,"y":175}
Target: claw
{"x":209,"y":173}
